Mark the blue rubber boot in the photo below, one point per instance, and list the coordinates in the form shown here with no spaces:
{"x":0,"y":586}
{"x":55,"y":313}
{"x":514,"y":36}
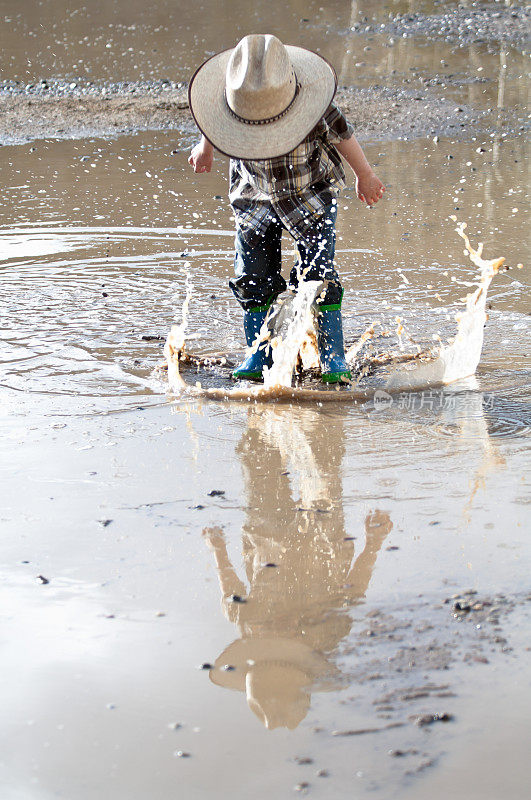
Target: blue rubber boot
{"x":334,"y":368}
{"x":252,"y":367}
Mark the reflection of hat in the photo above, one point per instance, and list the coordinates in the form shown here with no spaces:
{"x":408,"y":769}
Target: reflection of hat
{"x":277,"y":676}
{"x":262,"y":98}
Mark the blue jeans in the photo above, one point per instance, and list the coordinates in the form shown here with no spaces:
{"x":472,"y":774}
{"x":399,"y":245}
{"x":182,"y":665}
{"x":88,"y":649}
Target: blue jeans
{"x":257,"y":269}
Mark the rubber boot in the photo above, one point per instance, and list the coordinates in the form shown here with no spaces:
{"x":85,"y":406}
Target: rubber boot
{"x":252,"y":367}
{"x":334,"y":368}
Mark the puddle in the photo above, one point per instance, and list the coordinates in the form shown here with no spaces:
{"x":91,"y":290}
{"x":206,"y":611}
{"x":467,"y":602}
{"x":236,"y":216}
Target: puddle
{"x":100,"y":288}
{"x":354,"y":533}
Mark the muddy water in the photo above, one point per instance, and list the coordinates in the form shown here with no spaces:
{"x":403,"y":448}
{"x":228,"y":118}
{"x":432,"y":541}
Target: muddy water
{"x":100,"y":278}
{"x":128,"y":41}
{"x":343,"y":528}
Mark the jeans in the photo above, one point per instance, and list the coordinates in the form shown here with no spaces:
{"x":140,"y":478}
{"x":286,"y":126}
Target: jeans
{"x":257,"y":269}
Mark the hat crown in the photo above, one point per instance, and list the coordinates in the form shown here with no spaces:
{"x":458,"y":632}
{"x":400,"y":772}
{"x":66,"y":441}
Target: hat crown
{"x":260,"y":81}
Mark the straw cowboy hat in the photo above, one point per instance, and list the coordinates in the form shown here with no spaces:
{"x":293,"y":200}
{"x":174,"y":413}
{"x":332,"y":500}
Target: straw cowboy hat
{"x":277,"y":676}
{"x":262,"y":98}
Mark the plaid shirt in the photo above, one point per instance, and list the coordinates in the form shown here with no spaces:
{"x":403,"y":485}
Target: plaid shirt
{"x":297,"y":187}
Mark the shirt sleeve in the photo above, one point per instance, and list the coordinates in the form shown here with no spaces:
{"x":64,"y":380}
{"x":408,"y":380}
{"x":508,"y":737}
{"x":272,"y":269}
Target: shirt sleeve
{"x":338,"y":126}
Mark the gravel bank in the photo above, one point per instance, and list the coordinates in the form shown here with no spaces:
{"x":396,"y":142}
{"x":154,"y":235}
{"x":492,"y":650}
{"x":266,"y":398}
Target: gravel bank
{"x":62,"y":110}
{"x":470,"y":24}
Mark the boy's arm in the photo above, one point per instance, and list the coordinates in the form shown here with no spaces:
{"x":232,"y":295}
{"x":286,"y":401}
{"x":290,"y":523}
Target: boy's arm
{"x":202,"y":156}
{"x":369,"y":187}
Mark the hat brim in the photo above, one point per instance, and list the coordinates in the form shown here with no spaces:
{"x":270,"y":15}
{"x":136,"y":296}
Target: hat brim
{"x":206,"y":94}
{"x":322,"y":674}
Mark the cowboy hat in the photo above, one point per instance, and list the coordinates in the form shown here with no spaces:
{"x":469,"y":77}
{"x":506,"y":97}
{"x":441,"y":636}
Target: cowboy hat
{"x":261,"y":98}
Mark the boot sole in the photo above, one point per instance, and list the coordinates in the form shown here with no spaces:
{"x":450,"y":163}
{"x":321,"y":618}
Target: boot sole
{"x":336,"y":377}
{"x":248,"y":376}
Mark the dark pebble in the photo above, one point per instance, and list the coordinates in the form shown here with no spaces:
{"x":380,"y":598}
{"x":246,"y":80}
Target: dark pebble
{"x":198,"y":507}
{"x":42,"y":579}
{"x":392,"y":547}
{"x":236,"y":598}
{"x":105,"y":522}
{"x":206,"y":665}
{"x":216,"y":493}
{"x":270,"y":564}
{"x":429,"y":719}
{"x":228,"y":668}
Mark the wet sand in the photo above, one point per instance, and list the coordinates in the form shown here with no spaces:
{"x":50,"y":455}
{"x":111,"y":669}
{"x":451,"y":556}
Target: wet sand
{"x":214,"y":599}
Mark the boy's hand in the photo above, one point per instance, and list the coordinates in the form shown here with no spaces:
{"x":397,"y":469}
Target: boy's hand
{"x":369,"y":188}
{"x":202,"y":156}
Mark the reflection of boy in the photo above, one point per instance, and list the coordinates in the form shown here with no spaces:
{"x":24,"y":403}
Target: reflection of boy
{"x":270,"y":107}
{"x":283,"y":652}
{"x":294,"y":615}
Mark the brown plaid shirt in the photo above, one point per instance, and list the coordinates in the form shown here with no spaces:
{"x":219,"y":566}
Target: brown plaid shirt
{"x":297,"y":186}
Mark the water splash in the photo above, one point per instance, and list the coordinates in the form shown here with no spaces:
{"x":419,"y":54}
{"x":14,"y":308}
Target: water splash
{"x":174,"y":346}
{"x":290,"y":327}
{"x":460,"y":358}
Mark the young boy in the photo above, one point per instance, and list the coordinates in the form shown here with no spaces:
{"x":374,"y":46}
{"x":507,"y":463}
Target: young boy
{"x":269,"y":107}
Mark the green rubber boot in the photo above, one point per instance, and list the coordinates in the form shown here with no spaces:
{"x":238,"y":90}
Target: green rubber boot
{"x":334,"y":367}
{"x":252,"y":368}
